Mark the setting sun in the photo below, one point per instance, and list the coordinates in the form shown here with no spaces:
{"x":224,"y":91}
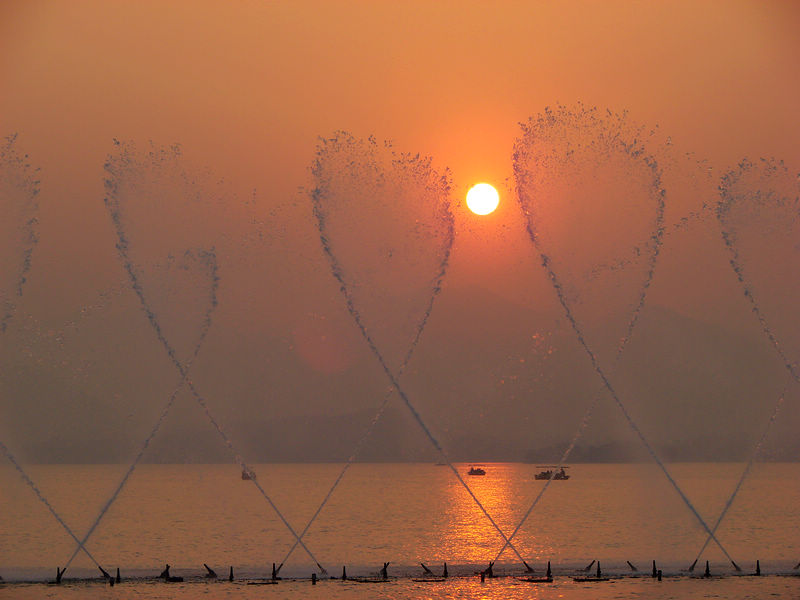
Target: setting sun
{"x":482,"y":199}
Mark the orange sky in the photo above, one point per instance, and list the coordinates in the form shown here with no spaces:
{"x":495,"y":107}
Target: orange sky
{"x":247,"y":88}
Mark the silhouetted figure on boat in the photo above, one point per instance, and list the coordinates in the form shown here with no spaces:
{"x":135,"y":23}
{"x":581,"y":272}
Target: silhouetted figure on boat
{"x":385,"y":571}
{"x":210,"y":573}
{"x":275,"y":572}
{"x":758,"y":569}
{"x":708,"y":571}
{"x":118,"y":578}
{"x":344,"y":573}
{"x":165,"y":573}
{"x":489,"y":572}
{"x":59,"y":574}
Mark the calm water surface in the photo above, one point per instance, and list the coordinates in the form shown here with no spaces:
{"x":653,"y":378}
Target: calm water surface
{"x":188,"y":515}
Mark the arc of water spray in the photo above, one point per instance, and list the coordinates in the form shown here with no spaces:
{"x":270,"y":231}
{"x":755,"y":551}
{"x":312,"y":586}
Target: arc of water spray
{"x":651,"y":264}
{"x":340,"y":476}
{"x":44,"y":501}
{"x":10,"y":157}
{"x":607,"y":384}
{"x":748,"y":292}
{"x":744,"y":474}
{"x":588,"y":414}
{"x":360,"y":443}
{"x":29,"y":226}
{"x":339,"y":276}
{"x":165,"y":411}
{"x":561,"y":294}
{"x":122,"y":248}
{"x":722,"y":207}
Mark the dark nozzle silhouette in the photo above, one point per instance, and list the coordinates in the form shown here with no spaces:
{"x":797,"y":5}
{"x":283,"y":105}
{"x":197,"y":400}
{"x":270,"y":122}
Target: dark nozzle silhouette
{"x":589,"y":566}
{"x":631,"y":565}
{"x":549,"y":572}
{"x":104,"y":572}
{"x":528,"y":568}
{"x":169,"y":578}
{"x":444,"y":571}
{"x":708,"y":571}
{"x":426,"y":569}
{"x":230,"y":575}
{"x":758,"y":569}
{"x":118,"y":578}
{"x":737,"y":567}
{"x":654,"y":569}
{"x":210,"y":573}
{"x":344,"y":573}
{"x":694,"y":564}
{"x":599,"y":573}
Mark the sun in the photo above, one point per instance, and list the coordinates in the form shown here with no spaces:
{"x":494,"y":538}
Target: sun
{"x":482,"y":199}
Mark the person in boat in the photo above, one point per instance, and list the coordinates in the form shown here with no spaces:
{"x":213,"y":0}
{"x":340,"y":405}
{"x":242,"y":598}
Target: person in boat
{"x":384,"y":571}
{"x":563,"y":473}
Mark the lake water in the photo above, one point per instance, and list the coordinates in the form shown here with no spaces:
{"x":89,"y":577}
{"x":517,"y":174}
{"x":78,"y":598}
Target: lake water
{"x":187,"y":515}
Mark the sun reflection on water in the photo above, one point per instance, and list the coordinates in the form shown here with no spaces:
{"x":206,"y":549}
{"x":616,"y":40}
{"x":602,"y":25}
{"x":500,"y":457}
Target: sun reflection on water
{"x":505,"y":496}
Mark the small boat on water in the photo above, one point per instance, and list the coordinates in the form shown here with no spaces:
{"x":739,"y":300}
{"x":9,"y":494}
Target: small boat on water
{"x":476,"y":471}
{"x":248,"y":475}
{"x":550,"y":473}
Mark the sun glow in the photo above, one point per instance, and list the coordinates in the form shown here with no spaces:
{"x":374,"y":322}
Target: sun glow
{"x":482,"y":199}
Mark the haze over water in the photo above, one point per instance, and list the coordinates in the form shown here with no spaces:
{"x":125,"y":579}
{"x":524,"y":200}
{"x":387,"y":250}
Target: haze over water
{"x":233,"y":241}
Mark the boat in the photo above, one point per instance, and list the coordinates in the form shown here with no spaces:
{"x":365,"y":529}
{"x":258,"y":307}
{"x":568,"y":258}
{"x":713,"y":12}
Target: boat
{"x":476,"y":471}
{"x":548,"y":473}
{"x":247,"y":474}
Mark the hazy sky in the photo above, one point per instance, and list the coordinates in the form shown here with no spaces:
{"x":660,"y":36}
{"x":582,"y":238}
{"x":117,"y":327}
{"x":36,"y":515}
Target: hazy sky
{"x":247,"y":88}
